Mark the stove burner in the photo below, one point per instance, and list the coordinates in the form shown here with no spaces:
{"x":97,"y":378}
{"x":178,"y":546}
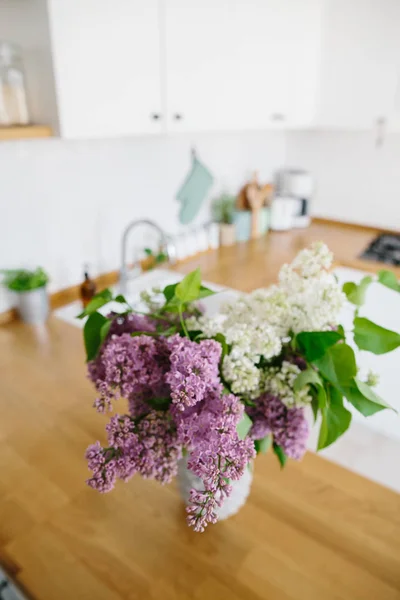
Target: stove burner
{"x":385,"y":248}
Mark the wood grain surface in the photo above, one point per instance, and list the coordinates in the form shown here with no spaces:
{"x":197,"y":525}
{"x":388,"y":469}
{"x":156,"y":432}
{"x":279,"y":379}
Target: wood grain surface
{"x":21,"y":132}
{"x":312,"y":532}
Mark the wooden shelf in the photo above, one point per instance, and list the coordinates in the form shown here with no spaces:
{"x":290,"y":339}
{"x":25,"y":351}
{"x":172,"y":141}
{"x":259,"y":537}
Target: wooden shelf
{"x":25,"y":132}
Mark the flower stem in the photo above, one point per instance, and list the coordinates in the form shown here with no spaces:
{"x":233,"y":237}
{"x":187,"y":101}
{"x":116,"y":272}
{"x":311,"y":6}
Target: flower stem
{"x":182,"y":320}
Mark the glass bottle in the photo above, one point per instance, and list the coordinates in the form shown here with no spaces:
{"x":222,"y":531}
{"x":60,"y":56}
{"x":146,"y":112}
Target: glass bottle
{"x":87,"y":290}
{"x":13,"y":104}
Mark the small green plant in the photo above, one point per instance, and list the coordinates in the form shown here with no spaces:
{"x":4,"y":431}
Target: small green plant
{"x":22,"y":280}
{"x":223,"y":209}
{"x":159,"y":257}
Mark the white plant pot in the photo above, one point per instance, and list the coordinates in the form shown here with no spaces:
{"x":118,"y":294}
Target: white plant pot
{"x":33,"y":306}
{"x":240,"y":489}
{"x":227,"y":234}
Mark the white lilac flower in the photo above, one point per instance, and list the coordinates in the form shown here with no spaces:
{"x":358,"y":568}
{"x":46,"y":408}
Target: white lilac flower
{"x":241,"y":373}
{"x":279,"y":381}
{"x":208,"y":325}
{"x":314,"y":297}
{"x":256,"y":325}
{"x":311,"y":261}
{"x":315,"y":304}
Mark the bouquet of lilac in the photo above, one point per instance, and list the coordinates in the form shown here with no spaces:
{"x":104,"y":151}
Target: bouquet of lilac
{"x":222,"y":389}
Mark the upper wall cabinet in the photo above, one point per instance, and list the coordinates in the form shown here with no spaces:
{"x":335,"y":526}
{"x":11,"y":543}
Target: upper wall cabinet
{"x":236,"y":64}
{"x":106,"y":61}
{"x":360,"y":66}
{"x":127,"y":67}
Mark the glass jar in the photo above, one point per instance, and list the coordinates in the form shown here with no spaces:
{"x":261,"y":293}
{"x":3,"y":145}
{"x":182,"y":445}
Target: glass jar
{"x":13,"y":104}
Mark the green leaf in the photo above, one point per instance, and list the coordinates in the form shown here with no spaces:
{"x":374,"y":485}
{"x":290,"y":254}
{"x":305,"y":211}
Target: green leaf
{"x":360,"y":403}
{"x":315,"y":405}
{"x":92,"y":334}
{"x":336,"y":420}
{"x":150,"y":333}
{"x":262,"y":446}
{"x":221,"y":339}
{"x":148,"y":251}
{"x":341,"y":331}
{"x":370,"y":393}
{"x":280,"y":454}
{"x":23,"y":280}
{"x":121,"y":299}
{"x":338,"y":364}
{"x":321,"y":398}
{"x":99,"y":300}
{"x":244,"y":426}
{"x":372,"y":337}
{"x":364,"y":398}
{"x":205,"y":291}
{"x":309,"y":376}
{"x":189,"y":288}
{"x":389,"y":279}
{"x":169,"y":331}
{"x":159,"y":403}
{"x":356,"y":293}
{"x":169,"y":291}
{"x":105,"y":328}
{"x":315,"y":343}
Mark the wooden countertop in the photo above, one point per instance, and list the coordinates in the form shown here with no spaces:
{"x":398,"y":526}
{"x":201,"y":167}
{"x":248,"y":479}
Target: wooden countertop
{"x":312,"y":532}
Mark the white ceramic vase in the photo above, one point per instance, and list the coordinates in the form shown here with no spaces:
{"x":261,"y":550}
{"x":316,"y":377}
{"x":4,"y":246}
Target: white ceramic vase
{"x":240,"y":489}
{"x":33,"y":306}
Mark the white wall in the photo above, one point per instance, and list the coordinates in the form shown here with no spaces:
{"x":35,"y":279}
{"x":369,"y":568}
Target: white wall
{"x":356,"y":181}
{"x":67,"y":203}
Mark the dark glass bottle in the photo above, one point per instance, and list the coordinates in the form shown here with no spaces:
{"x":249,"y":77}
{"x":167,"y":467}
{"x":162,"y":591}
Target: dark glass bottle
{"x":88,"y":290}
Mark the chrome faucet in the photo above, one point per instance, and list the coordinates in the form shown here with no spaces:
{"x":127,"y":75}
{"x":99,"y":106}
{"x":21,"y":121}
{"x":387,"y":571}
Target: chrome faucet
{"x":168,"y":246}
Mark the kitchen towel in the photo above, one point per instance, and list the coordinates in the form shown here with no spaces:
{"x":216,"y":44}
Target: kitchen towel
{"x":194,"y":191}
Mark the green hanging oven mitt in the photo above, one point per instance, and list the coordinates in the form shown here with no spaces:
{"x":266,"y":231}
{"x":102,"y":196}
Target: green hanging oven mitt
{"x":194,"y":191}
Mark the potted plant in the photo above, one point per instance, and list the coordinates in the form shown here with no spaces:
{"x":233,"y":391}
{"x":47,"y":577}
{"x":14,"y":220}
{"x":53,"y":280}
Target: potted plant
{"x":223,"y":209}
{"x":30,"y":287}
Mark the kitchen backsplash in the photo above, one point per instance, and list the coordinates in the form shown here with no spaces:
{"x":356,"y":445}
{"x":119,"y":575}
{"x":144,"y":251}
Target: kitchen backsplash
{"x":356,"y":180}
{"x":67,"y":203}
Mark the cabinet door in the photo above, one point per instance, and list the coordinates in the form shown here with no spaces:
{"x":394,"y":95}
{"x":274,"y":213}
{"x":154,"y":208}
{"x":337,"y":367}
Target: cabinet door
{"x":304,"y":31}
{"x":106,"y":58}
{"x":359,"y":69}
{"x":202,"y":90}
{"x":237,"y":65}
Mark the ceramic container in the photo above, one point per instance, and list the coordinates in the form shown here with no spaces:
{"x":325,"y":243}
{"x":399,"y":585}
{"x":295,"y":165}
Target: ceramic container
{"x":227,"y":234}
{"x":240,"y":489}
{"x":243,"y":225}
{"x":33,"y":306}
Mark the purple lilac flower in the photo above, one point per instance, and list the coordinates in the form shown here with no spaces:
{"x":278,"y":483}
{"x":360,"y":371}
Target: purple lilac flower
{"x":217,"y":455}
{"x":131,"y":367}
{"x":289,"y":426}
{"x":102,"y":463}
{"x":201,"y":418}
{"x":194,"y":369}
{"x":147,"y":445}
{"x":130,"y":324}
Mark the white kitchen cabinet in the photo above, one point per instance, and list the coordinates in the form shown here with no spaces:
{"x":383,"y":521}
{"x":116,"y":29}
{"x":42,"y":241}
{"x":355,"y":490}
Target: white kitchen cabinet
{"x":106,"y":62}
{"x":233,"y":64}
{"x":360,"y":66}
{"x":127,"y":67}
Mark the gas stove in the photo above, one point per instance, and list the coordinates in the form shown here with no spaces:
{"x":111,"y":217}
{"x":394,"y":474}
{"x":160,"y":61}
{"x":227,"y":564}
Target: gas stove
{"x":385,"y":248}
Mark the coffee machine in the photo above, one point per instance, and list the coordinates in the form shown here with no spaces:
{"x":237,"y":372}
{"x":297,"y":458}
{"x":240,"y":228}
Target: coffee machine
{"x":294,"y":186}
